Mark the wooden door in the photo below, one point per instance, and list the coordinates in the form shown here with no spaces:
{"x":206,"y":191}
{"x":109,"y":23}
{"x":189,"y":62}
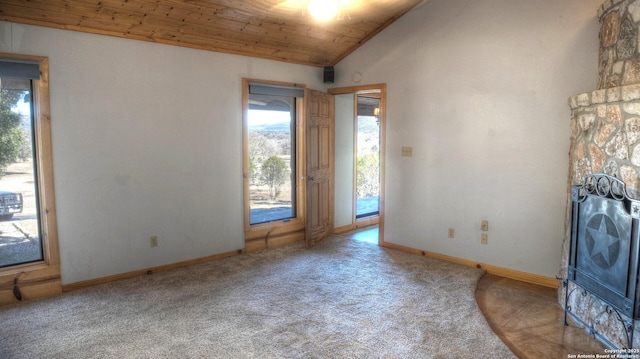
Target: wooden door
{"x":319,"y":131}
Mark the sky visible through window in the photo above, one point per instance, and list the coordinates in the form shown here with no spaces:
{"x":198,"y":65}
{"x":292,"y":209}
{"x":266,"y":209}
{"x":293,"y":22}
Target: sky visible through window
{"x":261,"y":118}
{"x":22,"y":108}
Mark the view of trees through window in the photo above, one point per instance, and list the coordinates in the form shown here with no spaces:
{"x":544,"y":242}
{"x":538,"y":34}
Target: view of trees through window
{"x":271,"y":137}
{"x":368,"y":158}
{"x":19,"y":225}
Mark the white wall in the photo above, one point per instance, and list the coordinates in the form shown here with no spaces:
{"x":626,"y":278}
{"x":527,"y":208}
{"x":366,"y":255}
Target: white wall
{"x":344,"y":152}
{"x":479,"y":88}
{"x":147,"y":137}
{"x":147,"y":140}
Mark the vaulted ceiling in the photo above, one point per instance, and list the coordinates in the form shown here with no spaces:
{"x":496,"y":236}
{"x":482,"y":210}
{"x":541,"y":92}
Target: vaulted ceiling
{"x":272,"y":29}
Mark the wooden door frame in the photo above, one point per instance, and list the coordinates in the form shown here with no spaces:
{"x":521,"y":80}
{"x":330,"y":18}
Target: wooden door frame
{"x":355,"y":90}
{"x":40,"y":278}
{"x":265,"y":235}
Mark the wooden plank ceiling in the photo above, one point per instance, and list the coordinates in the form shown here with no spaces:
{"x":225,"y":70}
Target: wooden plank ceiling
{"x":272,"y":29}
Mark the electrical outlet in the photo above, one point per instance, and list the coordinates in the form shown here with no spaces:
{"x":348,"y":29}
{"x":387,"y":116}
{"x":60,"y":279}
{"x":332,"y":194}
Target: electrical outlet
{"x":451,"y":232}
{"x":484,"y":238}
{"x":406,"y":151}
{"x":154,"y":241}
{"x":484,"y":226}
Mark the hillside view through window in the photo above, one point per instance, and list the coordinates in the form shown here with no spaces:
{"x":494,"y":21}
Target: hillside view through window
{"x":271,"y":137}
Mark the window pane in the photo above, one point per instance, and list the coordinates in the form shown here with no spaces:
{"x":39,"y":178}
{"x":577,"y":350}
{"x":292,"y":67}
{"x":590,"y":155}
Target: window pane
{"x":271,"y":125}
{"x":368,"y":158}
{"x":19,"y":222}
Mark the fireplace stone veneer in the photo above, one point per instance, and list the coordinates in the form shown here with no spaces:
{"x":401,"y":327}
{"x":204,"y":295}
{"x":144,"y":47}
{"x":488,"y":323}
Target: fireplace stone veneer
{"x":605,"y":138}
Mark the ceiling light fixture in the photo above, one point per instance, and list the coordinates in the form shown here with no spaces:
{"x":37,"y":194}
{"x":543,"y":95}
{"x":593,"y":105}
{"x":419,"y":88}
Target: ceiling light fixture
{"x":324,"y":10}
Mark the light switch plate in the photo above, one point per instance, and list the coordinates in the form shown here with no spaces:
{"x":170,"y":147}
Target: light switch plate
{"x":406,"y":151}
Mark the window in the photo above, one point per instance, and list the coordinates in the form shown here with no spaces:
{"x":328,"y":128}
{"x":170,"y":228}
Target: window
{"x":271,"y":136}
{"x":29,"y":258}
{"x":20,"y":241}
{"x":272,"y":156}
{"x":272,"y":160}
{"x":368,"y":156}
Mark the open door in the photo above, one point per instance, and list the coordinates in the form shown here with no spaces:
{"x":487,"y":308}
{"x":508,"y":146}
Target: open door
{"x":319,"y":131}
{"x":352,"y":104}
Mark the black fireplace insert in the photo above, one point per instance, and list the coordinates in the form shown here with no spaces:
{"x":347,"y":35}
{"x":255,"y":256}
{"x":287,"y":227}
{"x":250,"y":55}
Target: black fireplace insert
{"x":604,"y":249}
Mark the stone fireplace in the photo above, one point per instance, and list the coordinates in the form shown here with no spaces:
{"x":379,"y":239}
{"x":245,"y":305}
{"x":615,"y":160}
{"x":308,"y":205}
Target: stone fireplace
{"x":605,"y":138}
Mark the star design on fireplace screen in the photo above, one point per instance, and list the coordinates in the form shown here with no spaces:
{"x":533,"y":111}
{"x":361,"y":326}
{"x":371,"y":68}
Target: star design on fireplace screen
{"x":603,"y":241}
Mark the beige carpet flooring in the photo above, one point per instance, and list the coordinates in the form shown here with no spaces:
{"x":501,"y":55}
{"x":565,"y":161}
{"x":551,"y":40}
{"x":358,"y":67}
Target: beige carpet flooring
{"x":341,"y":299}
